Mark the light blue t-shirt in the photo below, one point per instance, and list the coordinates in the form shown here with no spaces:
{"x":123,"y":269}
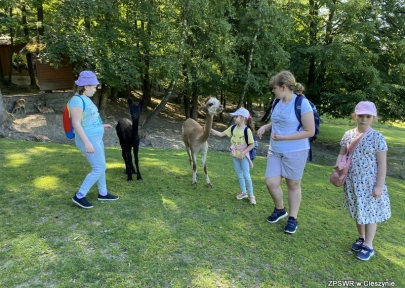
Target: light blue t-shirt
{"x":285,"y":122}
{"x":91,"y":122}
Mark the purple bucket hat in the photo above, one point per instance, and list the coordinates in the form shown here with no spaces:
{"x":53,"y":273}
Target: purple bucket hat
{"x":87,"y":78}
{"x":365,"y":108}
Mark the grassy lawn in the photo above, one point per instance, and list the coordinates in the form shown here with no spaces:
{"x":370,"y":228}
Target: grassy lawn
{"x":163,"y":232}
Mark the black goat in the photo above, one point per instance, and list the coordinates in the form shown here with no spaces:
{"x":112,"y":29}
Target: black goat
{"x":128,"y":134}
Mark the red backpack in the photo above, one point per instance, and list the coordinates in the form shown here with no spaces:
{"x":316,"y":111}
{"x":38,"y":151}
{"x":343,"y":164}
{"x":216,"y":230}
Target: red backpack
{"x":67,"y":120}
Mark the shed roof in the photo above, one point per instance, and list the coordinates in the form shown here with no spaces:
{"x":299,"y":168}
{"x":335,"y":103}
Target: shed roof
{"x":34,"y":46}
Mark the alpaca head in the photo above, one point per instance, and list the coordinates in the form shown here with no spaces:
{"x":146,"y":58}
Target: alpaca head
{"x":212,"y":106}
{"x":135,"y":109}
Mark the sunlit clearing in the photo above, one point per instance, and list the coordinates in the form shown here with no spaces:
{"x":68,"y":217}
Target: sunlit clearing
{"x":169,"y":204}
{"x":46,"y":182}
{"x":16,"y":160}
{"x":207,"y":278}
{"x":395,"y":253}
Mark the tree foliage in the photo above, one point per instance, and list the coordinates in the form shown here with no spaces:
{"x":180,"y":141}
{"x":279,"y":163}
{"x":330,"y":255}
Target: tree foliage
{"x":342,"y":51}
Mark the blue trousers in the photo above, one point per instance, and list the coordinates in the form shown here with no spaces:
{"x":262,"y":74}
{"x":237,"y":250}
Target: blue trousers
{"x":242,"y":169}
{"x":97,"y":163}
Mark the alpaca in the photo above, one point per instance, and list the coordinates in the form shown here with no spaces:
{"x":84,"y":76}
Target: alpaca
{"x":19,"y":105}
{"x":195,"y":136}
{"x":127,"y":132}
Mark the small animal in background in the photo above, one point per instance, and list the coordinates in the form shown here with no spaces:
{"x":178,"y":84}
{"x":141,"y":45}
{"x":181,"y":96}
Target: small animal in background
{"x":44,"y":109}
{"x":127,"y":132}
{"x":19,"y":105}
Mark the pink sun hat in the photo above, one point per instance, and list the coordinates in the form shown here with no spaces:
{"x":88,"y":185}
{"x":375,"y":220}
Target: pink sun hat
{"x":87,"y":78}
{"x":365,"y":108}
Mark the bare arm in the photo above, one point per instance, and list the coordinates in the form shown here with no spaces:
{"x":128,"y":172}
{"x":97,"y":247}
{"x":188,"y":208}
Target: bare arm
{"x":263,"y":129}
{"x":381,"y":173}
{"x":342,"y":152}
{"x":76,"y":114}
{"x":217,"y":133}
{"x":308,"y":126}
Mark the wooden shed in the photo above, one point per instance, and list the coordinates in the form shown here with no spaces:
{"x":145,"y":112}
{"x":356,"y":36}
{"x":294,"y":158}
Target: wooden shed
{"x":49,"y":77}
{"x":5,"y":51}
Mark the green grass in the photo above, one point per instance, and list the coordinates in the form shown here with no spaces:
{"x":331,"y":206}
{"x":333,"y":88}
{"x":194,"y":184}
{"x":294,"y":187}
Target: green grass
{"x":163,"y":232}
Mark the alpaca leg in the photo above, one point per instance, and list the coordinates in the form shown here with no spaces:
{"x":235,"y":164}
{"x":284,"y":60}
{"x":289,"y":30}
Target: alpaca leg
{"x":194,"y":167}
{"x":128,"y":163}
{"x":190,"y":159}
{"x":138,"y":174}
{"x":204,"y":163}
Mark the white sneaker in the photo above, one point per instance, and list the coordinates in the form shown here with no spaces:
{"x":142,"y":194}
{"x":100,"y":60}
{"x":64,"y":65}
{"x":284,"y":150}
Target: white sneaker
{"x":252,"y":200}
{"x":241,"y":195}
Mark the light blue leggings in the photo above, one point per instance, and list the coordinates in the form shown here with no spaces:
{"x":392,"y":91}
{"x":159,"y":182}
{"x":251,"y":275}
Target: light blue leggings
{"x":242,"y":169}
{"x":97,"y":163}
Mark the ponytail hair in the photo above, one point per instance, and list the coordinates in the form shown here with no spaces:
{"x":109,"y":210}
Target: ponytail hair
{"x":299,"y":88}
{"x":250,"y":123}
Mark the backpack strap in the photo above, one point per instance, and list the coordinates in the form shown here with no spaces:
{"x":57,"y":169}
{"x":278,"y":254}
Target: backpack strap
{"x":84,"y":103}
{"x":298,"y":102}
{"x":246,"y":135}
{"x":244,"y":132}
{"x":233,"y":128}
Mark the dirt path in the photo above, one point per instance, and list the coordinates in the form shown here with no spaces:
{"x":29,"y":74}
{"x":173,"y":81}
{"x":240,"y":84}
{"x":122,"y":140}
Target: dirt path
{"x":164,"y":132}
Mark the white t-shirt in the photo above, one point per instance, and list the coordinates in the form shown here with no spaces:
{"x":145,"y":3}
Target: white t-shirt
{"x":285,"y":122}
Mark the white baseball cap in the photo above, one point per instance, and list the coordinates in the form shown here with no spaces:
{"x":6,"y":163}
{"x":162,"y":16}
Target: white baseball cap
{"x":241,"y":112}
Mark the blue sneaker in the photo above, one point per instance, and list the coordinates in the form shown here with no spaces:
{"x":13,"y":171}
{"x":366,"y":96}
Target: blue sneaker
{"x":276,"y":215}
{"x":365,"y":253}
{"x":82,"y":202}
{"x":108,"y":197}
{"x":356,"y":246}
{"x":292,"y":225}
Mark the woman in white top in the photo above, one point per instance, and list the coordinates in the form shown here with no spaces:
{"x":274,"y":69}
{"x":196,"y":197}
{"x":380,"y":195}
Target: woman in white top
{"x":288,"y":150}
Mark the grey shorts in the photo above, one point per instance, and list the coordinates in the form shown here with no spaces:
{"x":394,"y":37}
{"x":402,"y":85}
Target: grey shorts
{"x":288,"y":165}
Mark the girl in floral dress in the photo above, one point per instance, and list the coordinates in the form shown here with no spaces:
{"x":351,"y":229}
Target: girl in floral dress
{"x":365,"y":191}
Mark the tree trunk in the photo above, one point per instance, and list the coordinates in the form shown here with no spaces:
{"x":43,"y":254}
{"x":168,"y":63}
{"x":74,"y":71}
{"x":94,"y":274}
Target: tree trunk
{"x":5,"y":120}
{"x":10,"y":71}
{"x":33,"y":83}
{"x":105,"y":92}
{"x":2,"y":79}
{"x":40,"y":17}
{"x":162,"y":103}
{"x":249,"y":67}
{"x":194,"y":106}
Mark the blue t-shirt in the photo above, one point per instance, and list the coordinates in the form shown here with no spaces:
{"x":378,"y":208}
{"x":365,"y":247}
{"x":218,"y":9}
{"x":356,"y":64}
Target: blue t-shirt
{"x":284,"y":122}
{"x":91,"y":121}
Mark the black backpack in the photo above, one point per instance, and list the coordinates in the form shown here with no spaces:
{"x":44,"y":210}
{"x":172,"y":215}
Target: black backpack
{"x":317,"y":119}
{"x":253,"y":152}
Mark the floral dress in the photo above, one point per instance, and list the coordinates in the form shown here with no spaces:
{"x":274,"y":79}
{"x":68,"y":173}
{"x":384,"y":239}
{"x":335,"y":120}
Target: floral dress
{"x":362,"y":178}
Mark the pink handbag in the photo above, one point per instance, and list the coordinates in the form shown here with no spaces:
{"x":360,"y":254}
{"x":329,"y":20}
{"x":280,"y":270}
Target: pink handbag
{"x":338,"y":176}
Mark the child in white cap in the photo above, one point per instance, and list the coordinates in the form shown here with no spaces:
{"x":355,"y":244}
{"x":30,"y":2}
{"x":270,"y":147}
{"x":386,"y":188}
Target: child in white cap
{"x":240,"y":151}
{"x":365,"y":191}
{"x":89,"y":130}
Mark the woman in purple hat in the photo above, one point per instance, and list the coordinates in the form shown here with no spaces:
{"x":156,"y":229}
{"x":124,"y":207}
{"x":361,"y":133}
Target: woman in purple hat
{"x":89,"y":130}
{"x":365,"y":191}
